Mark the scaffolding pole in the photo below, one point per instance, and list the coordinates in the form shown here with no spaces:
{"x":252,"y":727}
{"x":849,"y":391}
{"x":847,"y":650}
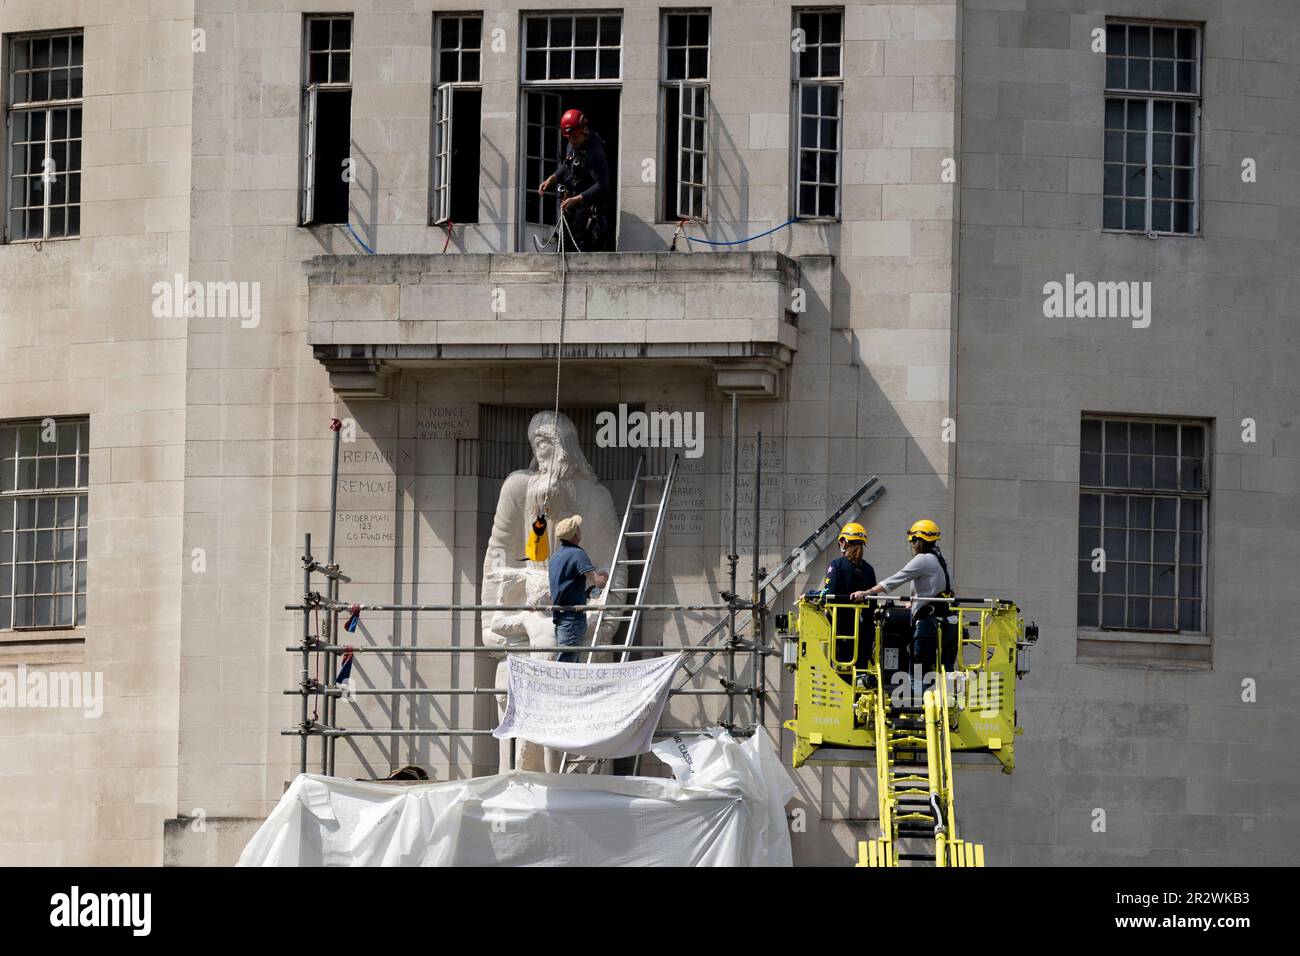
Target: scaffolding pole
{"x":332,"y":590}
{"x":733,"y":558}
{"x":328,"y":651}
{"x":756,"y":609}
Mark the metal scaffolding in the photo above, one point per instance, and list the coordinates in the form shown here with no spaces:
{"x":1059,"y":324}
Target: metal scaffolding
{"x":328,"y":606}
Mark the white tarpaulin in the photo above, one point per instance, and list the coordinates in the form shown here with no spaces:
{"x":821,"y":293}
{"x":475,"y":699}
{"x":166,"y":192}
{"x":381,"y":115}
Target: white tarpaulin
{"x":597,"y":710}
{"x":725,"y":808}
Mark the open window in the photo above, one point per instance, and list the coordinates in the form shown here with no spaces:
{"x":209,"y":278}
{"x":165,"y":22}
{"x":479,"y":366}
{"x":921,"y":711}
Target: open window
{"x":457,"y":119}
{"x":684,"y":91}
{"x":326,"y":120}
{"x":569,"y":62}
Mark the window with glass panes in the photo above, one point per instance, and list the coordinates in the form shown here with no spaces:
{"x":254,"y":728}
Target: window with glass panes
{"x":326,"y":119}
{"x":1152,"y":128}
{"x":44,"y":478}
{"x":1143,"y":501}
{"x":568,"y":47}
{"x":44,"y":136}
{"x":457,"y":118}
{"x":685,"y":112}
{"x":818,"y":58}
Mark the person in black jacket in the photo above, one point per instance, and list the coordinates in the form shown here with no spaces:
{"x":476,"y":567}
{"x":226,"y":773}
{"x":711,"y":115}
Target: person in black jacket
{"x":584,"y":177}
{"x":846,"y":575}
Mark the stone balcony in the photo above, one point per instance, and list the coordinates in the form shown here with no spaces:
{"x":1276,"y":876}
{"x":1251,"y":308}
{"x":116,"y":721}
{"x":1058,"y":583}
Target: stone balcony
{"x":369,"y":315}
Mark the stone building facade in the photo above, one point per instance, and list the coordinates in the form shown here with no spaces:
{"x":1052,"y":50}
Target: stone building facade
{"x":944,"y":163}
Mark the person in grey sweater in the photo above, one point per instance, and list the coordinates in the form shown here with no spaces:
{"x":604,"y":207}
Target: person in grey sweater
{"x":930,"y":576}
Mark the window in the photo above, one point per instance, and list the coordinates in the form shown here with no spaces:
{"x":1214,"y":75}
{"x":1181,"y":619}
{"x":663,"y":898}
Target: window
{"x":44,"y":136}
{"x":685,"y":112}
{"x":326,"y":119}
{"x":818,"y":93}
{"x":567,"y":61}
{"x":1153,"y":115}
{"x":1143,"y":497}
{"x":44,"y":473}
{"x":565,"y":48}
{"x":457,"y":118}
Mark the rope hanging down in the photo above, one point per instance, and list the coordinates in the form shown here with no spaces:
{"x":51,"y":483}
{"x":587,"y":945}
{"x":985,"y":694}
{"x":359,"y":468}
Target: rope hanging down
{"x":537,"y":548}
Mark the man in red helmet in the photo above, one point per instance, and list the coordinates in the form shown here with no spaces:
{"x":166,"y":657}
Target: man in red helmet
{"x":584,"y":176}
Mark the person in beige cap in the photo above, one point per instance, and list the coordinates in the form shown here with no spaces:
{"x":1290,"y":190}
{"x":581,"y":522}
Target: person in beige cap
{"x":572,"y":577}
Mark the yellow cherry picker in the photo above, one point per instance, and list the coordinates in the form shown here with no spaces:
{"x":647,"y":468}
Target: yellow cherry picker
{"x":856,"y":706}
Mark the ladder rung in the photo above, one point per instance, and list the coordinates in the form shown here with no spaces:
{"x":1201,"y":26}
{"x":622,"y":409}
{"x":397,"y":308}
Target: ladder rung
{"x":626,"y":590}
{"x":653,"y":504}
{"x":633,"y":561}
{"x":638,"y":534}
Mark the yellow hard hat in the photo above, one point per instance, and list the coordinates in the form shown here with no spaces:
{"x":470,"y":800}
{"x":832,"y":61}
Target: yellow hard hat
{"x":853,"y":532}
{"x":925,"y":529}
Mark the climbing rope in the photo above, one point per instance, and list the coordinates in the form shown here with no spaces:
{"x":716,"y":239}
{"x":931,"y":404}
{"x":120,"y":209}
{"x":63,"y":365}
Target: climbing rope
{"x":564,"y":230}
{"x":681,"y":227}
{"x":360,"y":241}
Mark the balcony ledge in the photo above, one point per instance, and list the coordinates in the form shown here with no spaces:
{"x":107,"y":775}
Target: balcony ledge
{"x":369,"y":315}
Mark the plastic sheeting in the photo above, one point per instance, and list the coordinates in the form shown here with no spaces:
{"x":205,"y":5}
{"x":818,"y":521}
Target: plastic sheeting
{"x":725,"y":807}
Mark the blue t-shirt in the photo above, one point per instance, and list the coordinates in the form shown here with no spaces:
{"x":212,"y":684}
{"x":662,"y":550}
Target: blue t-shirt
{"x":568,"y":568}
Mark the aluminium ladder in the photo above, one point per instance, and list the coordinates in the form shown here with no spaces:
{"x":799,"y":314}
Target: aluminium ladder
{"x":654,"y":514}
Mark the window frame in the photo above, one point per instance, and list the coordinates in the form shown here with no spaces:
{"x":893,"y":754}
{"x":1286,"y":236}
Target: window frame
{"x":1151,"y":97}
{"x":573,"y":16}
{"x":48,"y":107}
{"x":1149,"y":633}
{"x":309,"y":118}
{"x":443,"y":127}
{"x":9,"y":498}
{"x":540,"y":88}
{"x":696,"y":86}
{"x":798,"y":84}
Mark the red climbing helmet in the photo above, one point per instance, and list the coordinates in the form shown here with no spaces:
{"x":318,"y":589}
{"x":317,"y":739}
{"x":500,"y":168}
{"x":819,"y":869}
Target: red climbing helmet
{"x":571,"y":120}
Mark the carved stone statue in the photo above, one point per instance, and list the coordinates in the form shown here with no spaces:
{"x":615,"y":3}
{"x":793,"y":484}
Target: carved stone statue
{"x":562,"y":483}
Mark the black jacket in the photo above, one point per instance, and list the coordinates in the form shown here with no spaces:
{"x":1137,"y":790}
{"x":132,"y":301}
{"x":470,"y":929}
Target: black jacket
{"x":585,"y":170}
{"x":843,"y":577}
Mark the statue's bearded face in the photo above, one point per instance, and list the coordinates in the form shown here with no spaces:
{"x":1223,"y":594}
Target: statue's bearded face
{"x":544,"y":445}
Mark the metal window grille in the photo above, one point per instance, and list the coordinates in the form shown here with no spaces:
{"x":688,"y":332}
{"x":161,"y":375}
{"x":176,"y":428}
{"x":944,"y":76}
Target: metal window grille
{"x":1143,"y":501}
{"x":44,"y":478}
{"x":44,"y":136}
{"x":1152,"y":129}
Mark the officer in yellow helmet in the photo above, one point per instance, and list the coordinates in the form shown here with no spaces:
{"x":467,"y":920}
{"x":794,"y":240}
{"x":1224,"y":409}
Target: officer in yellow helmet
{"x":845,"y":575}
{"x":849,"y":572}
{"x":929,"y":576}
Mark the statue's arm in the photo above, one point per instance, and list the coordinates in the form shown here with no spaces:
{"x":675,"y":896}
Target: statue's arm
{"x":510,"y":525}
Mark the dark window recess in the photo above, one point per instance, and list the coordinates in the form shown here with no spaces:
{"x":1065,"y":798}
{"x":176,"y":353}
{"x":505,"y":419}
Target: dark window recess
{"x":467,"y":119}
{"x":672,"y":130}
{"x":333,"y":139}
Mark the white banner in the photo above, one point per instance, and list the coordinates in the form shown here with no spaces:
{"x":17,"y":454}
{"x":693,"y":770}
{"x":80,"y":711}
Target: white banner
{"x":596,"y":710}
